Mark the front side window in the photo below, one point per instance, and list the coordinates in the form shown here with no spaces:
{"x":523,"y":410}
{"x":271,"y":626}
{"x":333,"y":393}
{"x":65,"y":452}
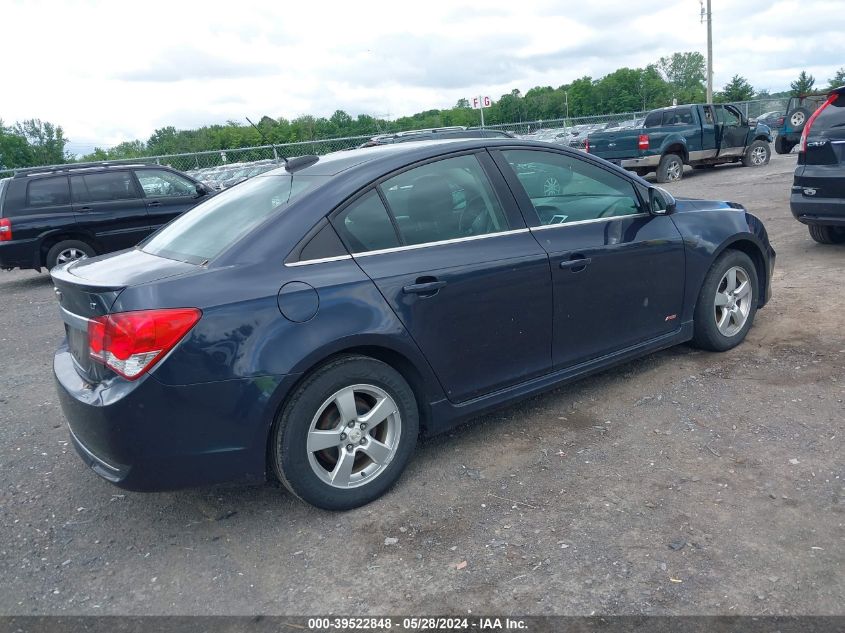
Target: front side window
{"x":160,"y":183}
{"x":445,"y":200}
{"x":46,"y":192}
{"x":727,"y":116}
{"x":212,"y":226}
{"x":565,"y":189}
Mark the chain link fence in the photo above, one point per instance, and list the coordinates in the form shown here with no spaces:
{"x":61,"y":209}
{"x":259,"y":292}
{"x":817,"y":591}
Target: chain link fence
{"x":569,"y":131}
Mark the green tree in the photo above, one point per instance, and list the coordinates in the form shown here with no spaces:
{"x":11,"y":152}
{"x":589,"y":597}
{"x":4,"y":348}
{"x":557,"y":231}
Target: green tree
{"x":803,"y":85}
{"x":46,"y":141}
{"x":737,"y":89}
{"x":838,"y":79}
{"x":686,"y":74}
{"x":14,"y":150}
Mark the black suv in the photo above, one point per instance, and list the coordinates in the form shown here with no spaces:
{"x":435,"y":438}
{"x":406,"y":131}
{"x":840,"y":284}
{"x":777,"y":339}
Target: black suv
{"x":429,"y":134}
{"x":51,"y":216}
{"x":818,"y":191}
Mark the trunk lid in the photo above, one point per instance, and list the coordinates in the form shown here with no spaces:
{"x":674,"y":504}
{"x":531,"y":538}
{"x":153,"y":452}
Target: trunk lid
{"x":89,"y":288}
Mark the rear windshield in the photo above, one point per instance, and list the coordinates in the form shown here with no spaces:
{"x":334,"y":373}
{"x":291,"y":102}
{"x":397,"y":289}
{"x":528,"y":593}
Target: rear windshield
{"x":208,"y":229}
{"x":833,"y":116}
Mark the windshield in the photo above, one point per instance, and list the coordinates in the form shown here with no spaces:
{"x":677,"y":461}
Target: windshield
{"x":208,"y":229}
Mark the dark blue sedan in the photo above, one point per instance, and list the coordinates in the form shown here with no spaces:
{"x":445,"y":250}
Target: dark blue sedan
{"x":311,"y":322}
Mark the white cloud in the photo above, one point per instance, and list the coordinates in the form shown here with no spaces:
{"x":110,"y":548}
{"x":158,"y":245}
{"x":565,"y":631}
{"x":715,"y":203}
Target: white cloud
{"x":109,"y":71}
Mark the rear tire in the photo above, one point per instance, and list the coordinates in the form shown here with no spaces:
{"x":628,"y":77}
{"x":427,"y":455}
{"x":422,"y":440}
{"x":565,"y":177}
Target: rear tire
{"x":782,"y":146}
{"x":320,"y":451}
{"x":727,"y":302}
{"x":757,"y":154}
{"x":827,"y":234}
{"x":68,"y":251}
{"x":670,"y":168}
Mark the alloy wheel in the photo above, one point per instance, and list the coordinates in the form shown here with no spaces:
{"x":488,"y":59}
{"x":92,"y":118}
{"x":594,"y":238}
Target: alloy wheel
{"x":758,"y":155}
{"x":797,"y":119}
{"x":673,"y":170}
{"x":354,"y":436}
{"x":70,"y":255}
{"x":733,"y":301}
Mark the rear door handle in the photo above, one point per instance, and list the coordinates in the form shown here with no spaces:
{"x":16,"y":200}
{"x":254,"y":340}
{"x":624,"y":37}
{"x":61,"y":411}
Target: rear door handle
{"x":576,"y":265}
{"x":426,"y":288}
{"x":85,"y":209}
{"x":154,"y":203}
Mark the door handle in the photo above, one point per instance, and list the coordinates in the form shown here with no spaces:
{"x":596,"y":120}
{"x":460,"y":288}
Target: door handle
{"x":154,"y":203}
{"x":576,"y":265}
{"x":425,"y":288}
{"x":85,"y":209}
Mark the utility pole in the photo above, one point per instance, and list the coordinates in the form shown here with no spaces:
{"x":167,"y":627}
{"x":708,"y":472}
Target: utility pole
{"x":709,"y":16}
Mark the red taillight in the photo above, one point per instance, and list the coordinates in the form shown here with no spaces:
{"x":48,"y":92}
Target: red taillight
{"x":587,"y":144}
{"x":812,"y":120}
{"x":642,"y":142}
{"x":130,"y":343}
{"x":779,"y":122}
{"x":5,"y":229}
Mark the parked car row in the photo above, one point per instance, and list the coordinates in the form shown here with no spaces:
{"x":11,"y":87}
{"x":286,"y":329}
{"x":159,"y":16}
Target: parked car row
{"x":223,"y":177}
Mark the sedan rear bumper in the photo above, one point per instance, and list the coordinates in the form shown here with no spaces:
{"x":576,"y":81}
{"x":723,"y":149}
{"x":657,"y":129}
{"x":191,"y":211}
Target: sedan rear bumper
{"x":149,"y":436}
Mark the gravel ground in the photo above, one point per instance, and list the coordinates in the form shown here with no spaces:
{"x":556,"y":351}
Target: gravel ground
{"x":682,"y":483}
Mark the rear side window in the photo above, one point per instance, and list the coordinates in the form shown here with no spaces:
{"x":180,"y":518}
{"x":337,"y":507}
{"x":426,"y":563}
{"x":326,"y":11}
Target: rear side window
{"x":365,"y":225}
{"x":445,"y":200}
{"x":677,"y":117}
{"x":208,"y":229}
{"x":45,"y":192}
{"x":653,"y":119}
{"x":105,"y":187}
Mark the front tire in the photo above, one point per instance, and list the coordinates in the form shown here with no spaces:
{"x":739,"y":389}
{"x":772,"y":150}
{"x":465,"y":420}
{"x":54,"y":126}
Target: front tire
{"x":346,"y":434}
{"x":727,"y":302}
{"x":757,"y":154}
{"x":827,"y":234}
{"x":670,"y":168}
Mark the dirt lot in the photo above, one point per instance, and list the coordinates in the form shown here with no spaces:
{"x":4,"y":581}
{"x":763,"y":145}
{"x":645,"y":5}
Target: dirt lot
{"x":682,"y":483}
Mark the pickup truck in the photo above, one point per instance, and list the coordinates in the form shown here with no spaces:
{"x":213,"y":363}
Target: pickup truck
{"x":698,"y":135}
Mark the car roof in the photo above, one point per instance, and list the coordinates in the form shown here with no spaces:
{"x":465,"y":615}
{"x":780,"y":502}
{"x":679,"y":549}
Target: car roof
{"x":389,"y":157}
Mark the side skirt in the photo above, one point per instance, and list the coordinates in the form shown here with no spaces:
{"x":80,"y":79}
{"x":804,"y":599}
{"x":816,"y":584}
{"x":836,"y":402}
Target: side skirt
{"x":446,"y":415}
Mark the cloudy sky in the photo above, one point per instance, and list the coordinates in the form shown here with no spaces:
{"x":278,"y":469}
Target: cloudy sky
{"x":109,"y":71}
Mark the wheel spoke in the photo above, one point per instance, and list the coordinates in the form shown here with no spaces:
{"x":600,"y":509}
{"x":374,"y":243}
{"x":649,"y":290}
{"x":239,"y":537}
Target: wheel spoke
{"x":343,"y":469}
{"x":721,"y":299}
{"x":345,"y":402}
{"x":731,"y":278}
{"x":377,"y":451}
{"x":319,"y":440}
{"x":379,"y":413}
{"x":723,"y":321}
{"x":742,"y":290}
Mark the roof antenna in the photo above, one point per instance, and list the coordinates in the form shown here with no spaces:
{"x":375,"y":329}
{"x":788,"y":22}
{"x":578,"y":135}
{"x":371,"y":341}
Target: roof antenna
{"x":276,"y":154}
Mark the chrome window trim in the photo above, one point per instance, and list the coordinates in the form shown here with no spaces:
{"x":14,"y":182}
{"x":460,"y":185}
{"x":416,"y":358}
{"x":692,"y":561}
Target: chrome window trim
{"x":321,"y":260}
{"x":543,"y":227}
{"x":457,"y":240}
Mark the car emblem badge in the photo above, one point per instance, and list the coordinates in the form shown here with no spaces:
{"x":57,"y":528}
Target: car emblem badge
{"x":809,"y":191}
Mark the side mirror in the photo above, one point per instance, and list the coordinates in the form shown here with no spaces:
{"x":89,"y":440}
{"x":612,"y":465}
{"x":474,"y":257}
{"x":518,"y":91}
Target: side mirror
{"x":201,"y":190}
{"x":660,"y":201}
